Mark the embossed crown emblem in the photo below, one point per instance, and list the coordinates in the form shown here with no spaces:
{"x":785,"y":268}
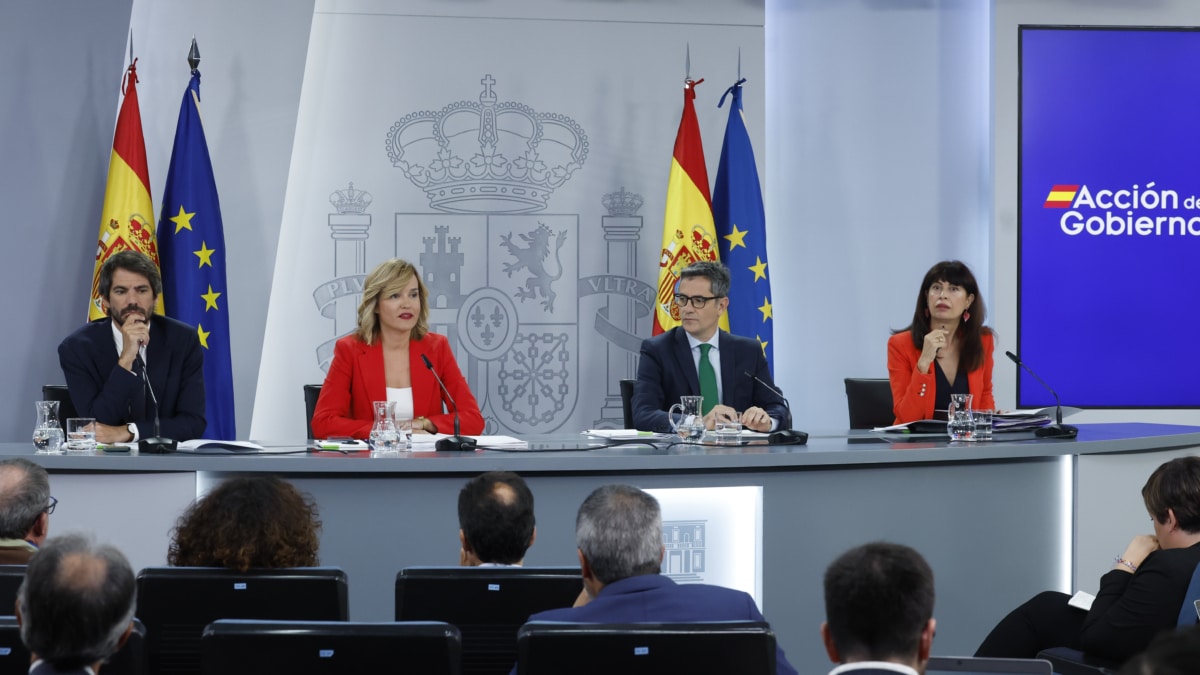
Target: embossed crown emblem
{"x":622,"y":203}
{"x":350,"y":200}
{"x":487,"y":156}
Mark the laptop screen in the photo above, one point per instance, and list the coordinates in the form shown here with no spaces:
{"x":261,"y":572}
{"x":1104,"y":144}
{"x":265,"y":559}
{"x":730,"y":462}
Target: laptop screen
{"x":963,"y":665}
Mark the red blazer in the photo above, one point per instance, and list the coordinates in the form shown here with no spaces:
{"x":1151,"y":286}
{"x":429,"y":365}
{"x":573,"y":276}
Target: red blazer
{"x":913,"y":392}
{"x":356,"y":378}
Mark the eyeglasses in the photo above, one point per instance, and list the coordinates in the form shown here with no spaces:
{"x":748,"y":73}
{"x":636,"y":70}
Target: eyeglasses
{"x":698,"y":301}
{"x":50,"y":508}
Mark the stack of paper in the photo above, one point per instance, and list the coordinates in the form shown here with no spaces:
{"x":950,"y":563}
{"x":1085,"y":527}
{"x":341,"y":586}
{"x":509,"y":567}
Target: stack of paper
{"x":426,"y":442}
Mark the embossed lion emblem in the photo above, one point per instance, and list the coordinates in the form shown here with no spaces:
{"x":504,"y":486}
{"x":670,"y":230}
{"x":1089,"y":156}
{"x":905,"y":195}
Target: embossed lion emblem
{"x":532,"y":257}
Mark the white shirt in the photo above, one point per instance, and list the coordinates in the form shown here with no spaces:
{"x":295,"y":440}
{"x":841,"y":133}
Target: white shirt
{"x":881,"y":665}
{"x":402,"y":397}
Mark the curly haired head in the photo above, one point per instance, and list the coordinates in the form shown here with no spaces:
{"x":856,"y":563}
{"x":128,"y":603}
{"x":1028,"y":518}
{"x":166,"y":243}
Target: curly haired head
{"x":248,"y":522}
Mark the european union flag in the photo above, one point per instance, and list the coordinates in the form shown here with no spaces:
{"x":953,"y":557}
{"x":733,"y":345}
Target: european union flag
{"x":741,"y":231}
{"x":191,"y":242}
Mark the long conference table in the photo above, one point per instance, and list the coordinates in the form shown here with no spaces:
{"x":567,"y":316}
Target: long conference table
{"x":998,"y":521}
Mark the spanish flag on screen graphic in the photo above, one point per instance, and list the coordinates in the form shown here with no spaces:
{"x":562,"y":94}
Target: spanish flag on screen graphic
{"x":688,"y":232}
{"x":127,"y":221}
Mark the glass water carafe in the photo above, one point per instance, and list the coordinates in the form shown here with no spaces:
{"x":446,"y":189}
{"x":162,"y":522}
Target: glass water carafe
{"x":47,"y":432}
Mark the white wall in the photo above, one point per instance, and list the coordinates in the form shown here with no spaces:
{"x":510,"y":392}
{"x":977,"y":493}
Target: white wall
{"x":878,"y":166}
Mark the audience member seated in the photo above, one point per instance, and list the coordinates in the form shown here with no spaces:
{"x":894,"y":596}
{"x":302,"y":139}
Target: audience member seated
{"x":879,"y":611}
{"x":25,"y":508}
{"x":495,"y":520}
{"x":945,"y":350}
{"x":619,"y":534}
{"x":1139,"y":597}
{"x":1171,"y":653}
{"x":76,"y":605}
{"x":248,"y":522}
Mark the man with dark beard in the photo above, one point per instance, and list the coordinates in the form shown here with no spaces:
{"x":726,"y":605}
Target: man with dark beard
{"x":106,"y":361}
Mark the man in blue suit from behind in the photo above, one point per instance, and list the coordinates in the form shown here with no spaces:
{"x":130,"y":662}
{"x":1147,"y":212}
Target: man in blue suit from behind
{"x":619,"y":534}
{"x":879,"y":611}
{"x":671,"y":366}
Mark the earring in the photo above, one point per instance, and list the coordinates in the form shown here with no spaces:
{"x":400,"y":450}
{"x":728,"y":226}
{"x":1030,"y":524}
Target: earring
{"x":966,"y":316}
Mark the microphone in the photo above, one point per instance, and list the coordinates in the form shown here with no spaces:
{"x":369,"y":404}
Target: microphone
{"x":1058,"y":429}
{"x":785,"y":435}
{"x":455,"y":442}
{"x":155,"y":445}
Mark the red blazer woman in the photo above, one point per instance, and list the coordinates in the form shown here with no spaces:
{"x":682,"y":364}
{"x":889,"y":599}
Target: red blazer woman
{"x":913,"y":391}
{"x":356,"y":379}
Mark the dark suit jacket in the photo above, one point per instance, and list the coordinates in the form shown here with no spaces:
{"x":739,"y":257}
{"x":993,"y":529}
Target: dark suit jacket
{"x":357,"y":378}
{"x":656,"y":598}
{"x":666,"y":372}
{"x":102,"y":389}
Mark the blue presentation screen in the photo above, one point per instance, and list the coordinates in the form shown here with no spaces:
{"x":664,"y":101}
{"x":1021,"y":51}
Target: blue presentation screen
{"x":1108,"y":283}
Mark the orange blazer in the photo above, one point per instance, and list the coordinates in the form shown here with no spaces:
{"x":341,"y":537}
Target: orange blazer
{"x":356,"y":378}
{"x":913,"y":391}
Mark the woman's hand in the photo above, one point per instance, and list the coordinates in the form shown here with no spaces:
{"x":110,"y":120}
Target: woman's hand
{"x":934,"y":340}
{"x":1141,"y":546}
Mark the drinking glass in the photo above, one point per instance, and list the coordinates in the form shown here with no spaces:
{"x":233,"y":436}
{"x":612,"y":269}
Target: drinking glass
{"x":81,"y":434}
{"x":983,"y":425}
{"x":729,"y":432}
{"x":404,"y":428}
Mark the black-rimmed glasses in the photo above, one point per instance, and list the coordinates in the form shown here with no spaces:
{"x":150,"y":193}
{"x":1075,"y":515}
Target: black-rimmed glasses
{"x":50,"y":507}
{"x":698,"y":301}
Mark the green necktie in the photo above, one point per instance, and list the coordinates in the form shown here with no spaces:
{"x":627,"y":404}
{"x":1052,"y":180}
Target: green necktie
{"x":708,"y":380}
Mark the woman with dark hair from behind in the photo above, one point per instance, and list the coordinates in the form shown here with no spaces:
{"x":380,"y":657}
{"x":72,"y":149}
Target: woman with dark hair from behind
{"x":945,"y":350}
{"x":1139,"y":597}
{"x":248,"y":522}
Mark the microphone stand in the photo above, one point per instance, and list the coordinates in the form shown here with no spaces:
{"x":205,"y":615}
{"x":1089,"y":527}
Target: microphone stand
{"x":1058,"y":429}
{"x":455,"y":443}
{"x":156,"y":444}
{"x":786,"y":435}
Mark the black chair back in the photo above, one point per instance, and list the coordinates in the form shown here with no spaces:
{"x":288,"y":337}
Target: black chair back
{"x":311,"y":393}
{"x":14,"y":657}
{"x":705,"y":648}
{"x":176,"y":603}
{"x":11,"y":577}
{"x":239,"y":647}
{"x":627,"y":402}
{"x":58,"y":392}
{"x":870,"y":402}
{"x":488,"y":604}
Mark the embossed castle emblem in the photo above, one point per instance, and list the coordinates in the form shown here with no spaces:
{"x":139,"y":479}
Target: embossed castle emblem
{"x":684,"y":549}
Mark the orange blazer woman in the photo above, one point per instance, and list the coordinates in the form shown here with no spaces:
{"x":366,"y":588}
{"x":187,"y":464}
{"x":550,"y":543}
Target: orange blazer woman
{"x":356,"y":379}
{"x":913,"y":391}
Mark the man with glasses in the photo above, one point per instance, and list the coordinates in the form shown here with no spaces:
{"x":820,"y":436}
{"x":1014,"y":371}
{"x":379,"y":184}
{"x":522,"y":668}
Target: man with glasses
{"x":25,"y":508}
{"x":697,"y":358}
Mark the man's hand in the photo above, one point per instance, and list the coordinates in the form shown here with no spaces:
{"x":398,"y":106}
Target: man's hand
{"x":719,"y":413}
{"x":756,"y":419}
{"x":135,"y":333}
{"x":109,"y":434}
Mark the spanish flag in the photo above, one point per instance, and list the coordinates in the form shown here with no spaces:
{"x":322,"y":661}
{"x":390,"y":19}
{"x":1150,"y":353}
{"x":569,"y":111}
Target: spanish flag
{"x":127,"y":221}
{"x":688,"y":232}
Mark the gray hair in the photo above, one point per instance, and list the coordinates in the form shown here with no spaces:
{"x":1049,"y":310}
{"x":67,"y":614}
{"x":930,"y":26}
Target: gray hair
{"x":22,"y":497}
{"x":619,"y":531}
{"x":77,"y":600}
{"x":716,"y":273}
